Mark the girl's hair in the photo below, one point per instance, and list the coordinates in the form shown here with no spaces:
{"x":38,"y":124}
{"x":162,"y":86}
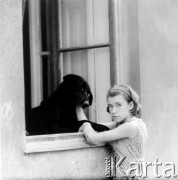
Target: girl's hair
{"x":128,"y":93}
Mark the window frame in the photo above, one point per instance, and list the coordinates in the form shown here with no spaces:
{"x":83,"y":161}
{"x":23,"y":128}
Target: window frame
{"x":67,"y":141}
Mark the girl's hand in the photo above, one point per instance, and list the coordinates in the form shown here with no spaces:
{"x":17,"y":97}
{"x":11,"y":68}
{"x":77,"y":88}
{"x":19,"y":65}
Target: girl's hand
{"x":80,"y":129}
{"x":88,"y":132}
{"x":82,"y":126}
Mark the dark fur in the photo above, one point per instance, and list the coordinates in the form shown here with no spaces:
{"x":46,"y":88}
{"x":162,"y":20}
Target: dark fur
{"x":57,"y":113}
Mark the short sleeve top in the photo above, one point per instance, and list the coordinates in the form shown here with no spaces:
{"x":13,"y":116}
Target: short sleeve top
{"x":131,"y":149}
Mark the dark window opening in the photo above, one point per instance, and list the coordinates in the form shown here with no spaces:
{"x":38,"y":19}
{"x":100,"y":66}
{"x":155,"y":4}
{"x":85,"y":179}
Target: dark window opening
{"x":57,"y":42}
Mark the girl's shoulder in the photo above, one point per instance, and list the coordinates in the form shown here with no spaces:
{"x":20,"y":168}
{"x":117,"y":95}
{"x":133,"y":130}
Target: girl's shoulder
{"x":130,"y":128}
{"x":140,"y":125}
{"x":136,"y":121}
{"x":133,"y":124}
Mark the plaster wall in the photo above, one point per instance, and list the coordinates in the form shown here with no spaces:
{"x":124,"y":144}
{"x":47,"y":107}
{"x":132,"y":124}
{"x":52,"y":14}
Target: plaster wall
{"x":158,"y":47}
{"x":129,"y":52}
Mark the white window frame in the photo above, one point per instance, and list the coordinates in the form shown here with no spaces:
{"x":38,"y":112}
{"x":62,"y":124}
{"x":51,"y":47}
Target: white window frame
{"x":36,"y":78}
{"x":67,"y":141}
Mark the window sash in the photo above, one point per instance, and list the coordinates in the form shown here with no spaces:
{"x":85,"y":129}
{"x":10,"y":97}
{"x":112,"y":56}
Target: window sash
{"x":83,"y":47}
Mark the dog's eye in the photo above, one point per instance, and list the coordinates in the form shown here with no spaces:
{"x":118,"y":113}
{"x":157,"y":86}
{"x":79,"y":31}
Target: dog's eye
{"x":82,"y":90}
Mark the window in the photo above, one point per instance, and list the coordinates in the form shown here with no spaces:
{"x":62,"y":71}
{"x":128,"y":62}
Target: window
{"x":63,"y":37}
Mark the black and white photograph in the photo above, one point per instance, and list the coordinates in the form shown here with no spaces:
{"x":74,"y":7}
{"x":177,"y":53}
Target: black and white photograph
{"x":88,"y":89}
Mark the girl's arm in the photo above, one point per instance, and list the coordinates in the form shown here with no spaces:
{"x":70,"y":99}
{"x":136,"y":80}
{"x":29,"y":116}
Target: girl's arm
{"x":124,"y":130}
{"x":128,"y":129}
{"x":110,"y":125}
{"x":81,"y":116}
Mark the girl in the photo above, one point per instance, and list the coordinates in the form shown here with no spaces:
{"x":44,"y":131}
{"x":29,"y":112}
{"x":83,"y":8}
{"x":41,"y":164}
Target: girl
{"x":127,"y":133}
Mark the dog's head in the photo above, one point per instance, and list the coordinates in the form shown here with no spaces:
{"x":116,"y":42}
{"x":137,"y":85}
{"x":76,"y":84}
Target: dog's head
{"x":74,"y":90}
{"x":79,"y":92}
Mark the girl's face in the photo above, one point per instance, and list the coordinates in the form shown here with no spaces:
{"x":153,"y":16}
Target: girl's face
{"x":119,"y":108}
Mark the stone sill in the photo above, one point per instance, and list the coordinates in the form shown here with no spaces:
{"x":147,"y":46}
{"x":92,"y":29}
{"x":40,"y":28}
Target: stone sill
{"x":56,"y":142}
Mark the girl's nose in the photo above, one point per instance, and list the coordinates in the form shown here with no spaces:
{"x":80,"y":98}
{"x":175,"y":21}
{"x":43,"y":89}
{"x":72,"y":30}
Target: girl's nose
{"x":114,"y":110}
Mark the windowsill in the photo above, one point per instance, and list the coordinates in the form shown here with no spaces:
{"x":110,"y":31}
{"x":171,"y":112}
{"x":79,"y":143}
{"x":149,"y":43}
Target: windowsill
{"x":56,"y":142}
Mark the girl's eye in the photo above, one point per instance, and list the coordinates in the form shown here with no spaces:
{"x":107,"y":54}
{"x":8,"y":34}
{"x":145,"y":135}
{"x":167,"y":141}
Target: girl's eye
{"x":118,"y":105}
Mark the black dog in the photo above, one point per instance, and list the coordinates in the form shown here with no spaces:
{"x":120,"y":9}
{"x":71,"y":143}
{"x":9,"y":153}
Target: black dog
{"x":57,"y":114}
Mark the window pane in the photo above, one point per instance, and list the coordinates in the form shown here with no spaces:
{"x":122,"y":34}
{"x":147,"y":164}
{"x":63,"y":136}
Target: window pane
{"x":43,"y":16}
{"x":100,"y":21}
{"x":94,"y":66}
{"x":102,"y":83}
{"x":84,"y":22}
{"x":75,"y":63}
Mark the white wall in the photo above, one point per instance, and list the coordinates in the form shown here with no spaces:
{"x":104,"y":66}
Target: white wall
{"x":149,"y":59}
{"x":129,"y":43}
{"x":158,"y":49}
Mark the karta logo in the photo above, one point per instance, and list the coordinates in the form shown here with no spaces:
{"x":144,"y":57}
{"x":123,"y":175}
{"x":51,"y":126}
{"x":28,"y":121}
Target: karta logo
{"x":139,"y":169}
